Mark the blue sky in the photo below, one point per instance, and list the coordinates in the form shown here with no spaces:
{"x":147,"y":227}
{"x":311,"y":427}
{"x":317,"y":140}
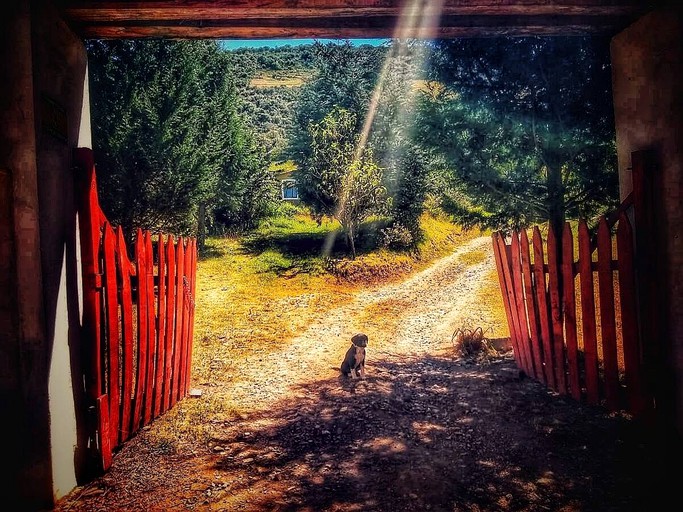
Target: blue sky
{"x":233,"y":44}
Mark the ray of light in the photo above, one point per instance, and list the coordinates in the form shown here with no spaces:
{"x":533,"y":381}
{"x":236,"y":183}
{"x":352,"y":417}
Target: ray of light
{"x":419,"y":19}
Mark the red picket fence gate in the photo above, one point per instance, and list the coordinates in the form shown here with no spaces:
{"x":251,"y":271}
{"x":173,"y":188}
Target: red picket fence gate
{"x":574,"y":325}
{"x":138,"y":319}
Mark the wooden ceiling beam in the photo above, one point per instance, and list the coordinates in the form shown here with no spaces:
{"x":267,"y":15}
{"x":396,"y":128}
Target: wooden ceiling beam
{"x":253,"y":19}
{"x":88,"y":11}
{"x":184,"y":32}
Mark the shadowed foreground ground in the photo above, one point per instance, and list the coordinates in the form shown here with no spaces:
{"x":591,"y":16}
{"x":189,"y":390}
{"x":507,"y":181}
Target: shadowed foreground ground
{"x":427,"y":430}
{"x":428,"y":433}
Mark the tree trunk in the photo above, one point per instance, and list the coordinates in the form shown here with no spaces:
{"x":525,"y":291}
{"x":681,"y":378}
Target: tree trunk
{"x":352,"y":242}
{"x":556,"y":208}
{"x":555,"y":200}
{"x":201,"y":226}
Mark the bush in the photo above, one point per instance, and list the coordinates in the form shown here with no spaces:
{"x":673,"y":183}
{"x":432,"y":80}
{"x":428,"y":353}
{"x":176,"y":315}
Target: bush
{"x":398,"y":237}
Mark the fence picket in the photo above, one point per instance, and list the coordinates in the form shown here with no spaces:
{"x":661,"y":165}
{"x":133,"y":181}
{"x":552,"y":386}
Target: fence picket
{"x":543,"y":307}
{"x":106,"y":449}
{"x":589,"y":328}
{"x":193,"y":285}
{"x":112,"y":339}
{"x":188,"y":309}
{"x":89,"y":227}
{"x":497,"y":248}
{"x":556,"y":312}
{"x":141,"y":367}
{"x":509,"y":288}
{"x":529,"y":294}
{"x":607,"y":320}
{"x":160,"y":327}
{"x":151,"y":327}
{"x":519,"y":302}
{"x":637,"y":402}
{"x":569,"y":290}
{"x":170,"y":323}
{"x":127,"y":335}
{"x":179,"y":342}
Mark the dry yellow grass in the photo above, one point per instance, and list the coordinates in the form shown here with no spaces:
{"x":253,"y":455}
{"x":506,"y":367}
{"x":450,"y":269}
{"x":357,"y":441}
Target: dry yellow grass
{"x":267,"y":80}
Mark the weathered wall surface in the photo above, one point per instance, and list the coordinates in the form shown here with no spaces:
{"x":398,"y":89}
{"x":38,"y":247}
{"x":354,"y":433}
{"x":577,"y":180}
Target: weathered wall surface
{"x":22,"y":340}
{"x":59,"y":77}
{"x":647,"y":60}
{"x":43,"y":66}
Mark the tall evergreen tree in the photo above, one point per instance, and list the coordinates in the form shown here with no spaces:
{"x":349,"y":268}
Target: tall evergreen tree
{"x":524,"y":128}
{"x":166,"y":133}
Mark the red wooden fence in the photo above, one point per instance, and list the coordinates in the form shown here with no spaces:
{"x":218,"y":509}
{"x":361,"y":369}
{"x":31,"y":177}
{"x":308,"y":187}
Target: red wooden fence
{"x":138,"y":319}
{"x":577,"y":351}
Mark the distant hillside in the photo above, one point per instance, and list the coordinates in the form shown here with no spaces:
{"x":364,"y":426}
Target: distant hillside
{"x":269,"y":82}
{"x":268,"y":79}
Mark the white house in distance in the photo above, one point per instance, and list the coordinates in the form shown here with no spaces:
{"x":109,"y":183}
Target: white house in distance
{"x":284,"y":172}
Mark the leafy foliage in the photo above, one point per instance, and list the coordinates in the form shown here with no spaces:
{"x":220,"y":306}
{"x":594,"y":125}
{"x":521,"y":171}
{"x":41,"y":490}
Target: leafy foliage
{"x":505,"y":132}
{"x":524,"y":130}
{"x":345,"y":78}
{"x":168,"y":139}
{"x":269,"y":111}
{"x":338,"y":181}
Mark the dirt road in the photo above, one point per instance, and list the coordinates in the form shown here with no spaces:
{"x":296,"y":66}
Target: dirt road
{"x":412,"y":317}
{"x":425,"y":430}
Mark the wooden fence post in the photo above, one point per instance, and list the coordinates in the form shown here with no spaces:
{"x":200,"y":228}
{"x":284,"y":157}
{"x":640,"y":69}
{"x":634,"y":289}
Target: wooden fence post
{"x":532,"y":310}
{"x":607,"y":318}
{"x":569,"y":302}
{"x":555,"y":292}
{"x":589,"y":331}
{"x":543,"y":307}
{"x":649,"y":288}
{"x":90,"y":221}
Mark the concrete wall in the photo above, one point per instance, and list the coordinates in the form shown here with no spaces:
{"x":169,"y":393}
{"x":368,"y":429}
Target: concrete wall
{"x":43,"y":65}
{"x":647,"y":60}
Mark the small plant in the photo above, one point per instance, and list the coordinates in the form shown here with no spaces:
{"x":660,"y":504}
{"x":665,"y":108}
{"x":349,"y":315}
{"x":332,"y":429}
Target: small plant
{"x":397,"y":237}
{"x":472,"y":344}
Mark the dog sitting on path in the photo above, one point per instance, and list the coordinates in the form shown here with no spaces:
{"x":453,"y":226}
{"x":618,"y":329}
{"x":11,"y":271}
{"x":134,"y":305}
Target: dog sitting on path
{"x":354,"y":361}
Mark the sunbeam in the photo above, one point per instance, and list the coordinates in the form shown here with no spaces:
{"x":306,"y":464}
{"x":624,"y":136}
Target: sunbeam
{"x":419,"y":19}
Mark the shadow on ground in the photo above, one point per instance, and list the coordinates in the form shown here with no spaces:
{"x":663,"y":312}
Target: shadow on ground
{"x":419,"y":434}
{"x":429,"y":434}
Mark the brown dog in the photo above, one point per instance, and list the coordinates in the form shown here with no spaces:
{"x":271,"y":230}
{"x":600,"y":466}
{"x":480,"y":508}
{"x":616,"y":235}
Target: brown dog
{"x":354,"y":361}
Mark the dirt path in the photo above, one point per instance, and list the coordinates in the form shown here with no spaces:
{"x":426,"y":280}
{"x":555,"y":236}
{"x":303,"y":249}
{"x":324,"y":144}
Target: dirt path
{"x":424,"y":431}
{"x":431,"y":304}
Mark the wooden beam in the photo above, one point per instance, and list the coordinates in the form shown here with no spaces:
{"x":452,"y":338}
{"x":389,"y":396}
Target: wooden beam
{"x":251,"y":19}
{"x":200,"y":10}
{"x":184,"y":32}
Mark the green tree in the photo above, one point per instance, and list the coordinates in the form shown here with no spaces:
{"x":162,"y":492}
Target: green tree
{"x":392,"y":138}
{"x":338,"y":180}
{"x":166,"y":132}
{"x":524,"y":129}
{"x":346,"y":77}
